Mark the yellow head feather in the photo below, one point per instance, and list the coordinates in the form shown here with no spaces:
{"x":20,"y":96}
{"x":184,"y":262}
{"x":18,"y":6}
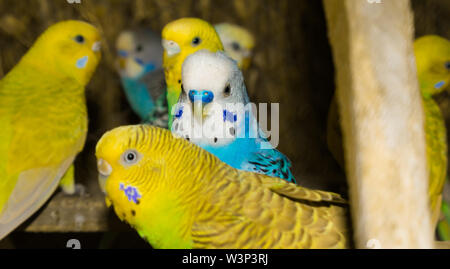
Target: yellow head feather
{"x":147,"y":183}
{"x":238,"y":43}
{"x":68,"y":48}
{"x":433,"y":63}
{"x":181,"y":38}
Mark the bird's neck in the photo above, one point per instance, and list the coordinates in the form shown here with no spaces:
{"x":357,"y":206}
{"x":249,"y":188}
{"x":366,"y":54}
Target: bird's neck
{"x":173,"y":212}
{"x":42,"y":82}
{"x":166,"y":222}
{"x":172,"y":202}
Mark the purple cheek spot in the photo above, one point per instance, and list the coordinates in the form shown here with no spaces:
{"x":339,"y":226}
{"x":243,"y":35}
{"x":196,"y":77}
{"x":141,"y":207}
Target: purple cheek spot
{"x":179,"y":113}
{"x":229,"y":116}
{"x":131,"y":192}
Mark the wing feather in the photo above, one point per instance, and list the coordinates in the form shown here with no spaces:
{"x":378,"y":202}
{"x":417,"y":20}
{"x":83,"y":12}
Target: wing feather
{"x":33,"y":188}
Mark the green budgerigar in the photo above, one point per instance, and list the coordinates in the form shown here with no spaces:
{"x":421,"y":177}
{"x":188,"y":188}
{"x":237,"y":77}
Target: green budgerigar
{"x":43,"y":118}
{"x":177,"y":195}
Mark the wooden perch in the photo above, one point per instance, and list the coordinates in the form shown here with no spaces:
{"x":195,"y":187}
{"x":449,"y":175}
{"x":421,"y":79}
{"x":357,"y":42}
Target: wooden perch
{"x":382,"y":121}
{"x":68,"y":214}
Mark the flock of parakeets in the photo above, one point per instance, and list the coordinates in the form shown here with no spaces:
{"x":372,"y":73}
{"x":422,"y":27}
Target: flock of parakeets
{"x":212,"y":181}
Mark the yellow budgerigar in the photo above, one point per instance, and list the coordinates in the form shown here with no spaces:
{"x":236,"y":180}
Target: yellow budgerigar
{"x":177,"y":195}
{"x":43,"y":118}
{"x":433,"y":70}
{"x":181,"y":38}
{"x":238,"y":43}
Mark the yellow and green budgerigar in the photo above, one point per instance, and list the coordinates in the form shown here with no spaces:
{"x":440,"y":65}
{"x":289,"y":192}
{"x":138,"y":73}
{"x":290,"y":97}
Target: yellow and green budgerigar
{"x":181,"y":38}
{"x":43,"y":118}
{"x":238,"y":43}
{"x":177,"y":195}
{"x":433,"y":69}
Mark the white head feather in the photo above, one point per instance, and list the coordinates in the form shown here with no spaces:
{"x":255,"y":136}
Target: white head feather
{"x":205,"y":70}
{"x":218,"y":73}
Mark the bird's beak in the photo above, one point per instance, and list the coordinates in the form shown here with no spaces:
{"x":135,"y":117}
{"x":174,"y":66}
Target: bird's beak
{"x":122,"y":63}
{"x":199,"y":99}
{"x":121,"y":60}
{"x":97,"y":46}
{"x":171,"y":47}
{"x":198,"y":110}
{"x":104,"y":170}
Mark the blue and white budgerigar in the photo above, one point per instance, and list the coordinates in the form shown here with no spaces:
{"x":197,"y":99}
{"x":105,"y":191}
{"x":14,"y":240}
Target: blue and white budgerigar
{"x":213,"y":112}
{"x":140,"y":56}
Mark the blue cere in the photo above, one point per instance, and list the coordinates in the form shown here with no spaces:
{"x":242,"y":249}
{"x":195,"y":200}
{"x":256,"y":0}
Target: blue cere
{"x":131,"y":192}
{"x":81,"y":63}
{"x":205,"y":96}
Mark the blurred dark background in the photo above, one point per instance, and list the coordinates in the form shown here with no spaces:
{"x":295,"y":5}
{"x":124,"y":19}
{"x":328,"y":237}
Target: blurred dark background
{"x":292,"y":66}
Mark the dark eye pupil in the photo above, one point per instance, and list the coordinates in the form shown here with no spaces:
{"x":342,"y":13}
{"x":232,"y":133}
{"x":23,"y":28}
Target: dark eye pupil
{"x":227,"y":89}
{"x":79,"y":39}
{"x":236,"y":46}
{"x":139,"y":48}
{"x":196,"y":41}
{"x":447,"y":65}
{"x":130,"y":156}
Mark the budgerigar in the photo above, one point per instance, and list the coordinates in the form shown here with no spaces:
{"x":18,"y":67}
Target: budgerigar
{"x":181,"y":38}
{"x":238,"y":43}
{"x":177,"y":195}
{"x":433,"y":69}
{"x":214,"y":112}
{"x":140,"y":56}
{"x":43,"y":118}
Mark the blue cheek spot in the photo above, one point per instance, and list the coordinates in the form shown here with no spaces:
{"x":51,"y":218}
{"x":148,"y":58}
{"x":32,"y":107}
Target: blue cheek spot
{"x":139,"y":61}
{"x":439,"y":85}
{"x":146,"y":66}
{"x":229,"y":116}
{"x":122,"y":53}
{"x":131,"y":192}
{"x":149,"y":67}
{"x":179,"y":113}
{"x":81,"y":63}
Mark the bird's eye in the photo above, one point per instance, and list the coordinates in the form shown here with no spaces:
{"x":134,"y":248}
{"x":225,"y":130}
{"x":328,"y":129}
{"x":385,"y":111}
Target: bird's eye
{"x":227,"y":90}
{"x":130,"y":157}
{"x":447,"y":65}
{"x":79,"y":39}
{"x":196,"y":41}
{"x":139,"y":48}
{"x":236,"y":46}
